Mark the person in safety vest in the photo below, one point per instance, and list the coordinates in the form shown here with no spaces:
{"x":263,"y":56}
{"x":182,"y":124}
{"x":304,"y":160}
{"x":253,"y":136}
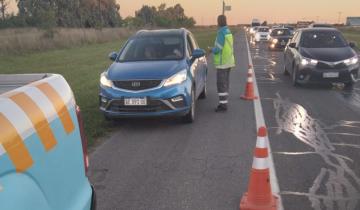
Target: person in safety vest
{"x":223,"y":60}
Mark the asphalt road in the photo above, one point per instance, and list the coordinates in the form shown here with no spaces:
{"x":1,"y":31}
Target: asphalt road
{"x":164,"y":164}
{"x":314,"y":134}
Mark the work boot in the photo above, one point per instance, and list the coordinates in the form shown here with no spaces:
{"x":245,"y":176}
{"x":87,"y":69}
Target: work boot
{"x":221,"y":108}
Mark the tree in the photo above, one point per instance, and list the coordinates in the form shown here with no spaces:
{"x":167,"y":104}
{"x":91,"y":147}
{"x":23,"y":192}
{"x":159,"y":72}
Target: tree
{"x":147,"y":14}
{"x":3,"y":8}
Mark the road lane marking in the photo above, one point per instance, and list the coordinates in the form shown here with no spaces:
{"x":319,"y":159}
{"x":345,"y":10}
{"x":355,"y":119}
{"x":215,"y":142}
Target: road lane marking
{"x":260,"y":121}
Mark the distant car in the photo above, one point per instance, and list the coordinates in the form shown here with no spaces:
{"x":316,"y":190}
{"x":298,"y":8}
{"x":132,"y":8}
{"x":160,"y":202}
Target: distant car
{"x":253,"y":30}
{"x":156,"y":73}
{"x":321,"y":55}
{"x":291,"y":29}
{"x":320,"y":25}
{"x":279,"y":37}
{"x":262,"y":34}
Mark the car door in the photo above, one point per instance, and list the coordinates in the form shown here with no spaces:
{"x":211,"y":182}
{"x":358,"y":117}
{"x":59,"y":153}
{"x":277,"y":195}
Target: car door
{"x":202,"y":66}
{"x":194,"y":65}
{"x":290,"y":52}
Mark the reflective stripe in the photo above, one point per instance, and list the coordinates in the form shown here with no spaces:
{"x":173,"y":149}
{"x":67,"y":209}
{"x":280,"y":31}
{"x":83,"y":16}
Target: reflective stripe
{"x":14,"y":145}
{"x":223,"y":94}
{"x":59,"y":106}
{"x":261,"y":142}
{"x":250,"y":79}
{"x":223,"y":102}
{"x":2,"y":150}
{"x":225,"y":66}
{"x":260,"y":163}
{"x":13,"y":113}
{"x":37,"y":118}
{"x":218,"y":45}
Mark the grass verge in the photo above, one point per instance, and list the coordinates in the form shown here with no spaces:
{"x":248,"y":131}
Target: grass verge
{"x":81,"y":67}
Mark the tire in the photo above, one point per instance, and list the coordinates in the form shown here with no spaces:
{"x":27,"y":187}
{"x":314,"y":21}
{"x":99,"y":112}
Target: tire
{"x":190,"y":117}
{"x":294,"y":77}
{"x":204,"y":92}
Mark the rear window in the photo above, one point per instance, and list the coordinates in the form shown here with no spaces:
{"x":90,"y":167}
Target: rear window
{"x":151,"y":48}
{"x":280,"y":32}
{"x":263,"y":29}
{"x":322,"y":39}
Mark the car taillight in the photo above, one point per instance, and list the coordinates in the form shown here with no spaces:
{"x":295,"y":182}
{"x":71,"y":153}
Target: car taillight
{"x":83,"y":138}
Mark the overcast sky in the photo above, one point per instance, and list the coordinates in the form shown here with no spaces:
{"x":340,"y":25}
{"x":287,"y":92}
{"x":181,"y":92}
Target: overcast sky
{"x":205,"y":11}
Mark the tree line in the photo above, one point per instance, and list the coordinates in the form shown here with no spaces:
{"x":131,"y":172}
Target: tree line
{"x":89,"y":14}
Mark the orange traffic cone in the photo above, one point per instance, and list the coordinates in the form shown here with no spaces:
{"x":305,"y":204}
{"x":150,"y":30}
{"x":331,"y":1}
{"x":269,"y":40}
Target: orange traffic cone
{"x":249,"y":90}
{"x":259,"y":196}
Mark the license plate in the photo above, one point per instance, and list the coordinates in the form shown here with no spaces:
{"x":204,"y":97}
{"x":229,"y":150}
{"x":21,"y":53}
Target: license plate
{"x":331,"y":75}
{"x":135,"y":102}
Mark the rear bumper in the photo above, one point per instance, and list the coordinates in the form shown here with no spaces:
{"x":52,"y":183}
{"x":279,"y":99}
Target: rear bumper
{"x":316,"y":76}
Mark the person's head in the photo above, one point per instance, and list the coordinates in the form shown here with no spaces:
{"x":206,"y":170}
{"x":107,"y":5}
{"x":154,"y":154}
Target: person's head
{"x":149,"y":52}
{"x":222,"y":21}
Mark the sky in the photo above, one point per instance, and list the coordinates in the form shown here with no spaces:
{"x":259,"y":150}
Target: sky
{"x":243,"y":11}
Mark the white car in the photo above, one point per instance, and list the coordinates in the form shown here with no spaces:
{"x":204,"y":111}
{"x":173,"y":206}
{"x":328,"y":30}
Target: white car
{"x":262,"y":34}
{"x":253,"y":30}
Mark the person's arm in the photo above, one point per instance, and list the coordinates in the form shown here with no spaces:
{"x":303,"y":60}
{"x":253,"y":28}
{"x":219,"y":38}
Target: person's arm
{"x":219,"y":43}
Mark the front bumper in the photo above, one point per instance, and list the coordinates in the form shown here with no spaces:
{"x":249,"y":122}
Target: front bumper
{"x":160,"y":102}
{"x":313,"y":75}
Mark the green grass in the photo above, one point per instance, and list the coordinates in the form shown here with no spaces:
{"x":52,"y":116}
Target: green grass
{"x":352,"y":34}
{"x":81,"y":67}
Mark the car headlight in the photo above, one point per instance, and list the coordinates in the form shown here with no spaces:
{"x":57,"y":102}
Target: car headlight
{"x":274,"y":41}
{"x":176,"y":79}
{"x":307,"y":61}
{"x":104,"y":81}
{"x":351,"y":61}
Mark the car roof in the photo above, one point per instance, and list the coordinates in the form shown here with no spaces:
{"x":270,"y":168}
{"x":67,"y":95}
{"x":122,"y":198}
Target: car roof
{"x":318,"y":29}
{"x":161,"y":32}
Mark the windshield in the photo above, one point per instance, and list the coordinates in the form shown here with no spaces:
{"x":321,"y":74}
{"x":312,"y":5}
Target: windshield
{"x":322,"y":39}
{"x":263,"y":29}
{"x":153,"y":48}
{"x":255,"y":24}
{"x":280,"y":32}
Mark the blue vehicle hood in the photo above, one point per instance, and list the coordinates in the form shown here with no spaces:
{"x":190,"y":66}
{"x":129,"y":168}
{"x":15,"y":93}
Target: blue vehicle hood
{"x":144,"y":70}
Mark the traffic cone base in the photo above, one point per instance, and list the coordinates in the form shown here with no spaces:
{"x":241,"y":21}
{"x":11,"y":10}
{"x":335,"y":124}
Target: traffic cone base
{"x":246,"y":205}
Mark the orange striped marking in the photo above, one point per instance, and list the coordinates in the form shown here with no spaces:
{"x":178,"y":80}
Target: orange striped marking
{"x":14,"y":146}
{"x":37,"y":118}
{"x":59,"y":106}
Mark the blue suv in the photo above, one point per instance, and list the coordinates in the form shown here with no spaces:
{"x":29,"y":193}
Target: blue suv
{"x":156,"y":73}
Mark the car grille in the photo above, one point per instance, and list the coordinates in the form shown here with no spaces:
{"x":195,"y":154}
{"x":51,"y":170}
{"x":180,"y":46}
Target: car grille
{"x":322,"y":65}
{"x":153,"y":106}
{"x":263,"y":36}
{"x":136,"y":85}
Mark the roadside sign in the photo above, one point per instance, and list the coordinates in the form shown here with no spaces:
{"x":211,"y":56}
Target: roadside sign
{"x":227,"y":8}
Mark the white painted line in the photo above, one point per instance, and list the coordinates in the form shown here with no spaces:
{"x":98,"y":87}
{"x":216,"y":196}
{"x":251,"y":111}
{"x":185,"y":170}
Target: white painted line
{"x":260,"y":121}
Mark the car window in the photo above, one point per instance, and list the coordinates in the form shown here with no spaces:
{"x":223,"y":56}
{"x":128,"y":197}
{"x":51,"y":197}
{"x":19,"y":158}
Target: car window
{"x":263,"y":30}
{"x":153,"y":48}
{"x":322,"y":39}
{"x":280,"y":32}
{"x":190,"y":45}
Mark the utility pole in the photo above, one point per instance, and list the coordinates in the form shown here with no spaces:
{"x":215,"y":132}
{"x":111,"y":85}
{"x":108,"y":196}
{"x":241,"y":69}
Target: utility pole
{"x":223,"y":7}
{"x":339,"y":17}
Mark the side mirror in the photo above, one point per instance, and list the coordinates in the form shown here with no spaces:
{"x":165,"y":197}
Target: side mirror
{"x":198,"y":53}
{"x":292,"y":45}
{"x":113,"y":56}
{"x":352,"y":45}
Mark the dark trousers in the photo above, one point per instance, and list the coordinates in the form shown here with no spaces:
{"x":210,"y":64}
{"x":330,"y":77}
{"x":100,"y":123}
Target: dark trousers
{"x":223,"y":85}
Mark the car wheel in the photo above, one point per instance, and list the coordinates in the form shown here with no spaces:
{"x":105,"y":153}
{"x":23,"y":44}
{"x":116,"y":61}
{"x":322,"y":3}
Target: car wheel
{"x":190,"y":117}
{"x":204,"y":92}
{"x":295,"y":77}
